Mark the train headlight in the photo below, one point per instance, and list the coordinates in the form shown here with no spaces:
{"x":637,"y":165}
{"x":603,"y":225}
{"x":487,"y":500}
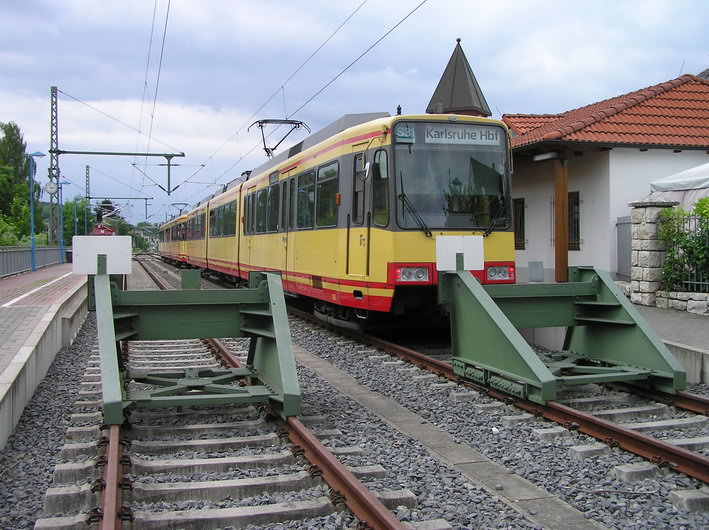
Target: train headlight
{"x":500,"y":273}
{"x":406,"y":274}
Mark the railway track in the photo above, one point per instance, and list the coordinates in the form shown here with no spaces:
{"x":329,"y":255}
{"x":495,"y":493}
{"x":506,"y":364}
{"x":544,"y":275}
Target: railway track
{"x":604,"y":416}
{"x":201,"y":467}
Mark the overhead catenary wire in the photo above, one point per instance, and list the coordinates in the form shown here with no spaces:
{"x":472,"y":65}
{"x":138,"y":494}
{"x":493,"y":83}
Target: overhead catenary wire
{"x":115,"y":119}
{"x":145,"y":82}
{"x":157,"y":82}
{"x":281,"y":87}
{"x":320,"y":90}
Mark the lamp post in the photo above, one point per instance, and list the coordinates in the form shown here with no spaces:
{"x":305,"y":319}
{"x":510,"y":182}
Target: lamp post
{"x":61,"y":222}
{"x":76,"y":219}
{"x":86,"y":222}
{"x":31,"y":156}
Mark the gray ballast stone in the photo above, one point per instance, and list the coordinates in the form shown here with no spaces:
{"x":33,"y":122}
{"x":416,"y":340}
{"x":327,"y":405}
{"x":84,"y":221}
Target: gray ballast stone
{"x":551,"y":432}
{"x":582,"y":452}
{"x":636,"y":472}
{"x":511,"y":421}
{"x":690,"y":500}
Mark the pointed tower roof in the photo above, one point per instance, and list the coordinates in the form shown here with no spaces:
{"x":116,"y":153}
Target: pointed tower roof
{"x":458,"y":90}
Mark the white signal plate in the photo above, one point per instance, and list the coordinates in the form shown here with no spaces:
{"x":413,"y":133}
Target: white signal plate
{"x":87,"y":248}
{"x":470,"y":246}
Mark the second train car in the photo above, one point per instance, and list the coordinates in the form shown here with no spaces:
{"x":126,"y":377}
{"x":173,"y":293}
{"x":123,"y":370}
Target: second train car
{"x":349,"y":217}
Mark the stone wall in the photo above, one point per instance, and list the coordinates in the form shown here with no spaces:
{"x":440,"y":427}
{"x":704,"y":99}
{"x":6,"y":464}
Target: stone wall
{"x":647,"y":253}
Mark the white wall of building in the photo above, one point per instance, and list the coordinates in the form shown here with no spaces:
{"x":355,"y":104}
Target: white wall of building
{"x":632,"y":171}
{"x":607,"y":180}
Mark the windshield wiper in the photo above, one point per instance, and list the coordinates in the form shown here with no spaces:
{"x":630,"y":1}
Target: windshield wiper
{"x":414,"y":213}
{"x":500,"y":206}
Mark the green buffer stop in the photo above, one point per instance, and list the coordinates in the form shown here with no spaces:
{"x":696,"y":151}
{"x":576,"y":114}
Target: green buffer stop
{"x":606,"y":338}
{"x":257,"y":312}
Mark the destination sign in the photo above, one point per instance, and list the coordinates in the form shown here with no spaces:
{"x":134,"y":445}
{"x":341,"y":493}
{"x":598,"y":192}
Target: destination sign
{"x":452,"y":133}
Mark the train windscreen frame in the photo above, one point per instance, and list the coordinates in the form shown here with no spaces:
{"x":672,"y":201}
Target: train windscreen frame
{"x":451,"y":175}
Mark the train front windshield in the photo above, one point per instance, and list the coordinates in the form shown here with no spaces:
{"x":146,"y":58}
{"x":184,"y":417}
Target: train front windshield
{"x":451,"y":175}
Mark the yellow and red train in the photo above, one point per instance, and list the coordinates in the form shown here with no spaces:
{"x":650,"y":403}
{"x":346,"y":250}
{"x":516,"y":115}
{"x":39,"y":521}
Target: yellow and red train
{"x":350,"y":216}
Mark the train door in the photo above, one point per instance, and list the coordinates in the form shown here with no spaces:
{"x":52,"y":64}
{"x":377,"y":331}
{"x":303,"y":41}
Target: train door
{"x":358,"y":223}
{"x":250,"y":229}
{"x":288,"y":224}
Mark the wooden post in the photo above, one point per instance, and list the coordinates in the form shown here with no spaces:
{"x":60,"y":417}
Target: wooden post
{"x":561,"y":219}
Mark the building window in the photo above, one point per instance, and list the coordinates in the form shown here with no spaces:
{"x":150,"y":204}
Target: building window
{"x":574,"y":224}
{"x":518,"y":216}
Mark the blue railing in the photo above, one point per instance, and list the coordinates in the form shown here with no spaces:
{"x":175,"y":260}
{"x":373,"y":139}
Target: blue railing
{"x":14,"y":260}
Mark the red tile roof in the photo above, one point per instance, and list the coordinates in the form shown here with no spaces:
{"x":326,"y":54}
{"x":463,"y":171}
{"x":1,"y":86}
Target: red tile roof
{"x":671,"y":114}
{"x":522,"y":123}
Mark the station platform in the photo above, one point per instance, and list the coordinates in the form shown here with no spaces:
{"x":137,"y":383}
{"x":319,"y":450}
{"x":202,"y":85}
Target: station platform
{"x":40,"y":312}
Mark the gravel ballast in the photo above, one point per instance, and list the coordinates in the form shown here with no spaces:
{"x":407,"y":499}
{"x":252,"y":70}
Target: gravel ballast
{"x":28,"y":459}
{"x":588,"y":485}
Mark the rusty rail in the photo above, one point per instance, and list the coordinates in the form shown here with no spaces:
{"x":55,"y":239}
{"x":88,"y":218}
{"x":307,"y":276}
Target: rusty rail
{"x":362,"y":502}
{"x":658,"y":451}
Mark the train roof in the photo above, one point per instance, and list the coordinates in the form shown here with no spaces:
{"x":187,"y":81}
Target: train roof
{"x":345,"y":122}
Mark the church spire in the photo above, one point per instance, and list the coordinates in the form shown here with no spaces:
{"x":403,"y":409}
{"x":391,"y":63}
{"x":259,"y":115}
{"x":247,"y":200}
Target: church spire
{"x":458,"y":91}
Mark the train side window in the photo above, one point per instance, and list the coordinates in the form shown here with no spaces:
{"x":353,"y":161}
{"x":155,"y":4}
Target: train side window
{"x":272,"y":207}
{"x":326,"y":200}
{"x":380,"y":188}
{"x":358,"y":195}
{"x":261,"y":211}
{"x":306,"y":199}
{"x":230,"y":219}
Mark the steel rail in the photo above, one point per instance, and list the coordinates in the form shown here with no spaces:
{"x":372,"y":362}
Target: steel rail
{"x":361,"y":501}
{"x":656,"y":450}
{"x":683,"y":400}
{"x":112,"y":496}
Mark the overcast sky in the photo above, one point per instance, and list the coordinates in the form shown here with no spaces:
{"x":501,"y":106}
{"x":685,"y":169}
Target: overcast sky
{"x":222,"y":60}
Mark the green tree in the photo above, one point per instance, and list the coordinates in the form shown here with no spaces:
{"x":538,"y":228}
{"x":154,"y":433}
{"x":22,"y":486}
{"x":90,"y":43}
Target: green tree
{"x":12,"y":150}
{"x":83,"y":218}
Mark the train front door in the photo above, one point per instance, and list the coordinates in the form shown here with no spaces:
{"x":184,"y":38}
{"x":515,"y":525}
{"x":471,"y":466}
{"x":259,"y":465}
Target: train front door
{"x":359,"y":223}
